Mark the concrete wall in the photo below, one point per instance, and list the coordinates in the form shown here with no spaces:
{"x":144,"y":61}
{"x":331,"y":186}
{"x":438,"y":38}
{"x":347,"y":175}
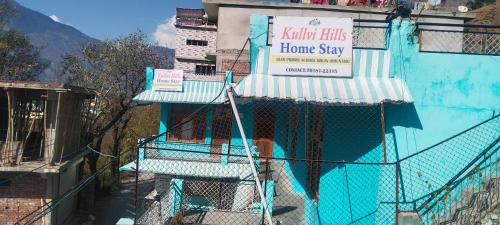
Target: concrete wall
{"x":67,"y":180}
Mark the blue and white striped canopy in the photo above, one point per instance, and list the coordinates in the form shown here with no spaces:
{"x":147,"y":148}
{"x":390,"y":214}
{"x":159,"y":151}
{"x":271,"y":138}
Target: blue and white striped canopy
{"x":197,"y":92}
{"x":322,"y":89}
{"x":370,"y":83}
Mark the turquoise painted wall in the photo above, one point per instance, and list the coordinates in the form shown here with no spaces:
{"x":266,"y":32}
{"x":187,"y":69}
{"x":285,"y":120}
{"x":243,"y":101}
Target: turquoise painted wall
{"x":163,"y":121}
{"x":149,"y":78}
{"x":350,"y":190}
{"x":451,"y":93}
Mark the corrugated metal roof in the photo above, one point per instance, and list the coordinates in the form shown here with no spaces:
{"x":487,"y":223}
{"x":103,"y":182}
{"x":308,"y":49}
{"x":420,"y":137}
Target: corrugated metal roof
{"x":359,"y":90}
{"x":197,"y":92}
{"x":190,"y":168}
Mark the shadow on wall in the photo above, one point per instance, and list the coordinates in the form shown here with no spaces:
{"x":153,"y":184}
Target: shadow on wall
{"x":402,"y":115}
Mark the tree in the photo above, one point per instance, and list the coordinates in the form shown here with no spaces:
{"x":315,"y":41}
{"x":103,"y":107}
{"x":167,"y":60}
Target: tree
{"x":115,"y":70}
{"x":19,"y":60}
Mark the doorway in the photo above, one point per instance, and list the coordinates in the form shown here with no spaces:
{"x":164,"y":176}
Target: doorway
{"x":314,"y":118}
{"x":221,"y":129}
{"x":263,"y":134}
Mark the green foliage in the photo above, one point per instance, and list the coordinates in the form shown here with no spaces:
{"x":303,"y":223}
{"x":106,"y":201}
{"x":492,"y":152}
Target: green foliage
{"x":115,"y":70}
{"x":144,"y":123}
{"x":19,"y":60}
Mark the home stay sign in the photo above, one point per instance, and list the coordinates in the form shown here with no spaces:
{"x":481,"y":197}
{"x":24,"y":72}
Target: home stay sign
{"x":311,"y":46}
{"x":167,"y":80}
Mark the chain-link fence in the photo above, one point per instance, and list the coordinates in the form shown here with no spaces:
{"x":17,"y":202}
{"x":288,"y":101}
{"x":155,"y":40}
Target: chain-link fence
{"x":316,"y":163}
{"x":464,"y":38}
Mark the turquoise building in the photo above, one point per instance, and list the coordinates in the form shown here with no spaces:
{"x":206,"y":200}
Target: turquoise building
{"x":408,"y":128}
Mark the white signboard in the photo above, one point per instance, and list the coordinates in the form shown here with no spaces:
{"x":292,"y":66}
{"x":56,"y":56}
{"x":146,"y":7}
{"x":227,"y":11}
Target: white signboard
{"x":167,"y":80}
{"x":311,"y":46}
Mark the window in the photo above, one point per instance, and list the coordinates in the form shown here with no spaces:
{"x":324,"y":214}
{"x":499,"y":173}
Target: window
{"x":192,"y":130}
{"x":196,"y":42}
{"x":205,"y":69}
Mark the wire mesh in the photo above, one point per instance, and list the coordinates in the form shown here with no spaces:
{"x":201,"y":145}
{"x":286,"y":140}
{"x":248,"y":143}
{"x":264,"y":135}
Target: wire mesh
{"x":317,"y":163}
{"x":470,"y":198}
{"x":428,"y":171}
{"x":460,"y":41}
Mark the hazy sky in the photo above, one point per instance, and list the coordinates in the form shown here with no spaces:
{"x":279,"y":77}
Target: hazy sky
{"x":104,"y":19}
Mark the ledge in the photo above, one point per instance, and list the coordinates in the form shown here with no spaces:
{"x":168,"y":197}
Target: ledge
{"x":211,"y":7}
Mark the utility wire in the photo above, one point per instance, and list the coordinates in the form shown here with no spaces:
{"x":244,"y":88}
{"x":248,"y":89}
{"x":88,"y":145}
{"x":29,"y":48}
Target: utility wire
{"x":191,"y":116}
{"x":100,"y":153}
{"x":50,"y":206}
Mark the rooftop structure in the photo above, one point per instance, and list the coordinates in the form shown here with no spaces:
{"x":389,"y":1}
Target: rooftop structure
{"x":195,"y":42}
{"x":42,"y":132}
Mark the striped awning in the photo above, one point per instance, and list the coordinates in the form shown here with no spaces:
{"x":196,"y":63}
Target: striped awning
{"x":370,"y":83}
{"x":197,"y":92}
{"x":325,"y":90}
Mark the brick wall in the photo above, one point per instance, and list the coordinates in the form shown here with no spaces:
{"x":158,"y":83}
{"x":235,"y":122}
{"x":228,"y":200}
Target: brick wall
{"x":240,"y":67}
{"x":226,"y":58}
{"x":22,"y":197}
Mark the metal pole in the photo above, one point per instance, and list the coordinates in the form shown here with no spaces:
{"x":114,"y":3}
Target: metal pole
{"x":249,"y":155}
{"x":265,"y":184}
{"x":397,"y":193}
{"x":382,"y":123}
{"x":136,"y":202}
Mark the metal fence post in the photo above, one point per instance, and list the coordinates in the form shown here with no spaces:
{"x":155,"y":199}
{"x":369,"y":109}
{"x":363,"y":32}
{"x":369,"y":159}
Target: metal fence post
{"x":249,"y":154}
{"x":136,"y":203}
{"x":266,"y":170}
{"x":397,"y":193}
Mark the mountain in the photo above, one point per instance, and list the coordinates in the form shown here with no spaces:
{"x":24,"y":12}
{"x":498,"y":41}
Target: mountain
{"x":55,"y":40}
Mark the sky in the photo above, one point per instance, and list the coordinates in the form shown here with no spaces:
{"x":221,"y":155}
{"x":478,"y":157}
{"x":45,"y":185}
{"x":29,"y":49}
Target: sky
{"x":107,"y":19}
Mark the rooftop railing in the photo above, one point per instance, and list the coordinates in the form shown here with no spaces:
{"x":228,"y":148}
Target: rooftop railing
{"x":459,"y":38}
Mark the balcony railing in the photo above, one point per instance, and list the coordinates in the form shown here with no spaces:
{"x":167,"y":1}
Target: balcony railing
{"x":196,"y":152}
{"x":459,"y":38}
